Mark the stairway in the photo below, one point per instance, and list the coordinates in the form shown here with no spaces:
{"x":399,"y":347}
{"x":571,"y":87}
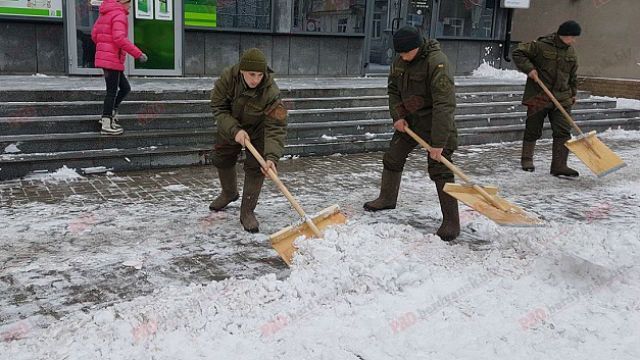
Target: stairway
{"x":52,"y":128}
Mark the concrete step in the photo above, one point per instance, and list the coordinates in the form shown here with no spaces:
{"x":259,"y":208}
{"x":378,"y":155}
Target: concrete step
{"x":137,"y":95}
{"x":302,"y":132}
{"x":314,"y":121}
{"x":52,"y":143}
{"x":89,"y":123}
{"x":495,"y":134}
{"x":470,"y":136}
{"x":19,"y":165}
{"x":148,"y":109}
{"x":87,"y":161}
{"x":486,"y":120}
{"x":35,"y":95}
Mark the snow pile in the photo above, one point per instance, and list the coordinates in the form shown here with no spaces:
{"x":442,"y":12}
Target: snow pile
{"x":621,"y":103}
{"x":487,"y":71}
{"x":60,"y":175}
{"x":327,"y":137}
{"x":378,"y":291}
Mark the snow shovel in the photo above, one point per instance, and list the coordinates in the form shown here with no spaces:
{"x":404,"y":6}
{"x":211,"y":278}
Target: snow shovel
{"x":483,"y":199}
{"x":587,"y":147}
{"x":282,"y":241}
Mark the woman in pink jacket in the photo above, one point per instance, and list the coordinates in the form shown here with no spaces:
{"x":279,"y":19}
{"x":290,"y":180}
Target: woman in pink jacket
{"x":110,"y":36}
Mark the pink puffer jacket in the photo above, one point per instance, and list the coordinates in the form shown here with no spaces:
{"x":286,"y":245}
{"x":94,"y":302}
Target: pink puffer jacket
{"x":110,"y":36}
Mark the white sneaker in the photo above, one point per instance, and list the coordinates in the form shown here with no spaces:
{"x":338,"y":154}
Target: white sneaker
{"x":107,"y":127}
{"x":114,"y":119}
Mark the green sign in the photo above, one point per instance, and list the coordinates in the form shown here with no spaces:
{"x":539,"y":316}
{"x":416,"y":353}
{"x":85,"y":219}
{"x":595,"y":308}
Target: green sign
{"x":201,"y":13}
{"x":35,"y":8}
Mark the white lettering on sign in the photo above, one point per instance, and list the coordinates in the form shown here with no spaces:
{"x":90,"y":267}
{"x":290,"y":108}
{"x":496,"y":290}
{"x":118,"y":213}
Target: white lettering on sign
{"x":515,"y":4}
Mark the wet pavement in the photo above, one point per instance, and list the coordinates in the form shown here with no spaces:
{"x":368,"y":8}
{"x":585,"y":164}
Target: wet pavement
{"x":74,"y":244}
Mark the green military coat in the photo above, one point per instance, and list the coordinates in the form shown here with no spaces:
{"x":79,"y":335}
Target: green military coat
{"x":236,"y":106}
{"x":557,"y":65}
{"x":423,"y":93}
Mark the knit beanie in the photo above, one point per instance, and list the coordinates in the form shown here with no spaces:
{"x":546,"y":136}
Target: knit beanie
{"x":406,"y":39}
{"x":569,"y":28}
{"x":253,"y":60}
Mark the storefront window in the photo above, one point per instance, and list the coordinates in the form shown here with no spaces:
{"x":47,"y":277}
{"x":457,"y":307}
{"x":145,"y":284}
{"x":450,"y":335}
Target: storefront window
{"x":329,"y":16}
{"x":228,"y":14}
{"x":466,"y":18}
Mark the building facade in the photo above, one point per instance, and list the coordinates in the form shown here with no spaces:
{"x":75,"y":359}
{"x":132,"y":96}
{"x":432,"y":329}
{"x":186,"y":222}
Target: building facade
{"x":202,"y":37}
{"x":609,"y":47}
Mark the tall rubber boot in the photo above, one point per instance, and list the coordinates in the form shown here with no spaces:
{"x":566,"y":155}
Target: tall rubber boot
{"x":450,"y":228}
{"x":388,"y":192}
{"x":250,"y":194}
{"x":560,"y":153}
{"x":229,"y":185}
{"x":527,"y":156}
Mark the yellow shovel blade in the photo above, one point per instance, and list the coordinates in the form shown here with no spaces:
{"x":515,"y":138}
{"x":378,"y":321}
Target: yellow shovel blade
{"x":515,"y":217}
{"x":282,"y":241}
{"x":595,"y":154}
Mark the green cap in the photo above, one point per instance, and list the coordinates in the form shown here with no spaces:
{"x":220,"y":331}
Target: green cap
{"x":253,"y":60}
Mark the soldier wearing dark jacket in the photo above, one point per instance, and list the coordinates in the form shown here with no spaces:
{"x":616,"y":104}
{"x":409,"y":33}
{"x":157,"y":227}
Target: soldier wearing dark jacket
{"x":553,"y":60}
{"x":246,"y":105}
{"x":421,"y":96}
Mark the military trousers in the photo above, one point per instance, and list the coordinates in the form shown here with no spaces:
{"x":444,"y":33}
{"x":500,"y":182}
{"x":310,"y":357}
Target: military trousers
{"x":401,"y":146}
{"x":535,"y":122}
{"x":226,"y":152}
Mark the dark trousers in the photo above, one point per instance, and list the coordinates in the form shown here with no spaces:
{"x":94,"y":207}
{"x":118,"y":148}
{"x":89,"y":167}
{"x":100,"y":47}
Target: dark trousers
{"x":535,"y":122}
{"x":226,"y":152}
{"x":117,"y":89}
{"x":402,"y":144}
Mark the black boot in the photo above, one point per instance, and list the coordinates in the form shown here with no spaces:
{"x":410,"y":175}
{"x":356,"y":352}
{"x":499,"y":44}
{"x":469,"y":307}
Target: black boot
{"x":229,"y":185}
{"x":388,"y":192}
{"x":450,"y":228}
{"x":250,"y":194}
{"x":527,"y":156}
{"x":559,"y":159}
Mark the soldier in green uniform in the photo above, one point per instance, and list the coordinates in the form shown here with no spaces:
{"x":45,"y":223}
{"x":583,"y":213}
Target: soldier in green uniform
{"x":553,"y":60}
{"x":246,"y":105}
{"x":422,"y":96}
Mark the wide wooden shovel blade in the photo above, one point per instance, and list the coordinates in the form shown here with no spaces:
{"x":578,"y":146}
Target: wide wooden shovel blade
{"x":472,"y":198}
{"x":282,"y":241}
{"x":595,"y":154}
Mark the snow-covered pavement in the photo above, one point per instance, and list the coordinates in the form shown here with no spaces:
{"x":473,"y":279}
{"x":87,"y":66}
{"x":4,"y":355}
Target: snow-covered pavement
{"x":84,"y":278}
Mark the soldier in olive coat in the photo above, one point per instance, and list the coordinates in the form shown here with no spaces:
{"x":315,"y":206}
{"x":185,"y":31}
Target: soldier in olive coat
{"x":422,"y":96}
{"x":246,"y":105}
{"x":553,"y":60}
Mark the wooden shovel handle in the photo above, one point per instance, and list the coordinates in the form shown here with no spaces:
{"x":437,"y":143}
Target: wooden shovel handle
{"x":458,"y":172}
{"x":559,"y":106}
{"x":283,"y":188}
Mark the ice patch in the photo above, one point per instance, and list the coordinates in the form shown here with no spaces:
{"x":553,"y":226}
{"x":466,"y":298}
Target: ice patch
{"x":12,"y":149}
{"x":60,"y":175}
{"x":136,"y":264}
{"x":95,"y":170}
{"x":487,"y":71}
{"x":327,"y":137}
{"x":178,"y":187}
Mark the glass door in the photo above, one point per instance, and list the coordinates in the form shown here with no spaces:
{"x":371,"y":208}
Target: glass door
{"x":389,"y":16}
{"x":154,"y":25}
{"x":79,"y":19}
{"x":420,"y":14}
